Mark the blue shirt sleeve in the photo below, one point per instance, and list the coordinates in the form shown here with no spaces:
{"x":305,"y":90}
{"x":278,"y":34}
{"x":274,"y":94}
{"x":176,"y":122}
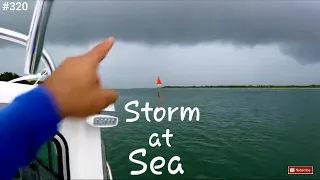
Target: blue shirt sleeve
{"x":25,"y":125}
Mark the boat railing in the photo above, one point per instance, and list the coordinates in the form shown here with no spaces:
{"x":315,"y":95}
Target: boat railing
{"x":22,"y":39}
{"x":106,"y":167}
{"x":44,"y":166}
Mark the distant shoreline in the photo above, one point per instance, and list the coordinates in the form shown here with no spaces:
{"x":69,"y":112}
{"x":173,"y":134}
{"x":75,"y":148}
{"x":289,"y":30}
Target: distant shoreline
{"x":246,"y":87}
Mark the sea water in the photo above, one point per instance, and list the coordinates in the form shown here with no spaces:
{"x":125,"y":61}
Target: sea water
{"x":242,"y":133}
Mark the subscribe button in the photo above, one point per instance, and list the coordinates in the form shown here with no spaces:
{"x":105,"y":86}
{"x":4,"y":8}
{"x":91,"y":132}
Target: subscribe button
{"x":300,"y":169}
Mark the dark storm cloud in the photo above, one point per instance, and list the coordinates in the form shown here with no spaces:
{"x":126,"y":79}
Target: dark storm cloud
{"x":295,"y":25}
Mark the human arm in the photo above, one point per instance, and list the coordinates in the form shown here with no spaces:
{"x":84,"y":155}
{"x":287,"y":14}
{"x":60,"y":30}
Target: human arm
{"x":25,"y":125}
{"x":73,"y":90}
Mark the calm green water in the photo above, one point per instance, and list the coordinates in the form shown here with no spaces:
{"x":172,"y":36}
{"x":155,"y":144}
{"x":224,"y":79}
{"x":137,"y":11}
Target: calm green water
{"x":242,"y":133}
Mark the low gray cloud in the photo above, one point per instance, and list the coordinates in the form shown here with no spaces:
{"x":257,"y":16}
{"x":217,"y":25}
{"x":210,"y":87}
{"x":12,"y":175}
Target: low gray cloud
{"x":203,"y":64}
{"x":295,"y":25}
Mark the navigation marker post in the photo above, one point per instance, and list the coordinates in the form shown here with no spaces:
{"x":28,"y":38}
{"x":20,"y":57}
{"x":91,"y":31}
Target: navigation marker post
{"x":158,"y":83}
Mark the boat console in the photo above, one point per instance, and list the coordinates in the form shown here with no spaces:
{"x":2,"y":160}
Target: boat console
{"x":77,"y":151}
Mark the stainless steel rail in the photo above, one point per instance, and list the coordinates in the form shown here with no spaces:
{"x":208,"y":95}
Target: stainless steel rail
{"x":106,"y":167}
{"x":36,"y":36}
{"x":35,"y":39}
{"x":22,"y":39}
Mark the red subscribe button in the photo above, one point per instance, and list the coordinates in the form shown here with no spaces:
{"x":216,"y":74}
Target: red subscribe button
{"x":300,"y":169}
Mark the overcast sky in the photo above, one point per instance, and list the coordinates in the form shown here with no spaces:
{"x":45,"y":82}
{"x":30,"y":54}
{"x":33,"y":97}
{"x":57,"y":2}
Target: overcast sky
{"x":184,"y":42}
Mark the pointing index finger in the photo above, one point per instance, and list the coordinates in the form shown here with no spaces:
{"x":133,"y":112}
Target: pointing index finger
{"x":98,"y":53}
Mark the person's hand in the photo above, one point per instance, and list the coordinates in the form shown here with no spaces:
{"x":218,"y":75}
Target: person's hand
{"x":76,"y":86}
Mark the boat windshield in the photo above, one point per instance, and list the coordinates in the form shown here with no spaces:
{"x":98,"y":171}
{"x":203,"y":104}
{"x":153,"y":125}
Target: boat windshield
{"x":45,"y":165}
{"x":50,"y":163}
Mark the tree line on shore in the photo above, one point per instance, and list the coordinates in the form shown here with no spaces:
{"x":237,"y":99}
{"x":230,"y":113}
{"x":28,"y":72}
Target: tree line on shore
{"x":248,"y":86}
{"x":8,"y":76}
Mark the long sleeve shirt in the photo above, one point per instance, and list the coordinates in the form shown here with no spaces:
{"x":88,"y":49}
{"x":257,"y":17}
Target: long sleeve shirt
{"x":25,"y":125}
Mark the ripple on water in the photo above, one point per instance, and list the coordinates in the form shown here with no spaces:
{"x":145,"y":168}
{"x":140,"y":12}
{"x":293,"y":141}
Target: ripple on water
{"x":241,"y":133}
